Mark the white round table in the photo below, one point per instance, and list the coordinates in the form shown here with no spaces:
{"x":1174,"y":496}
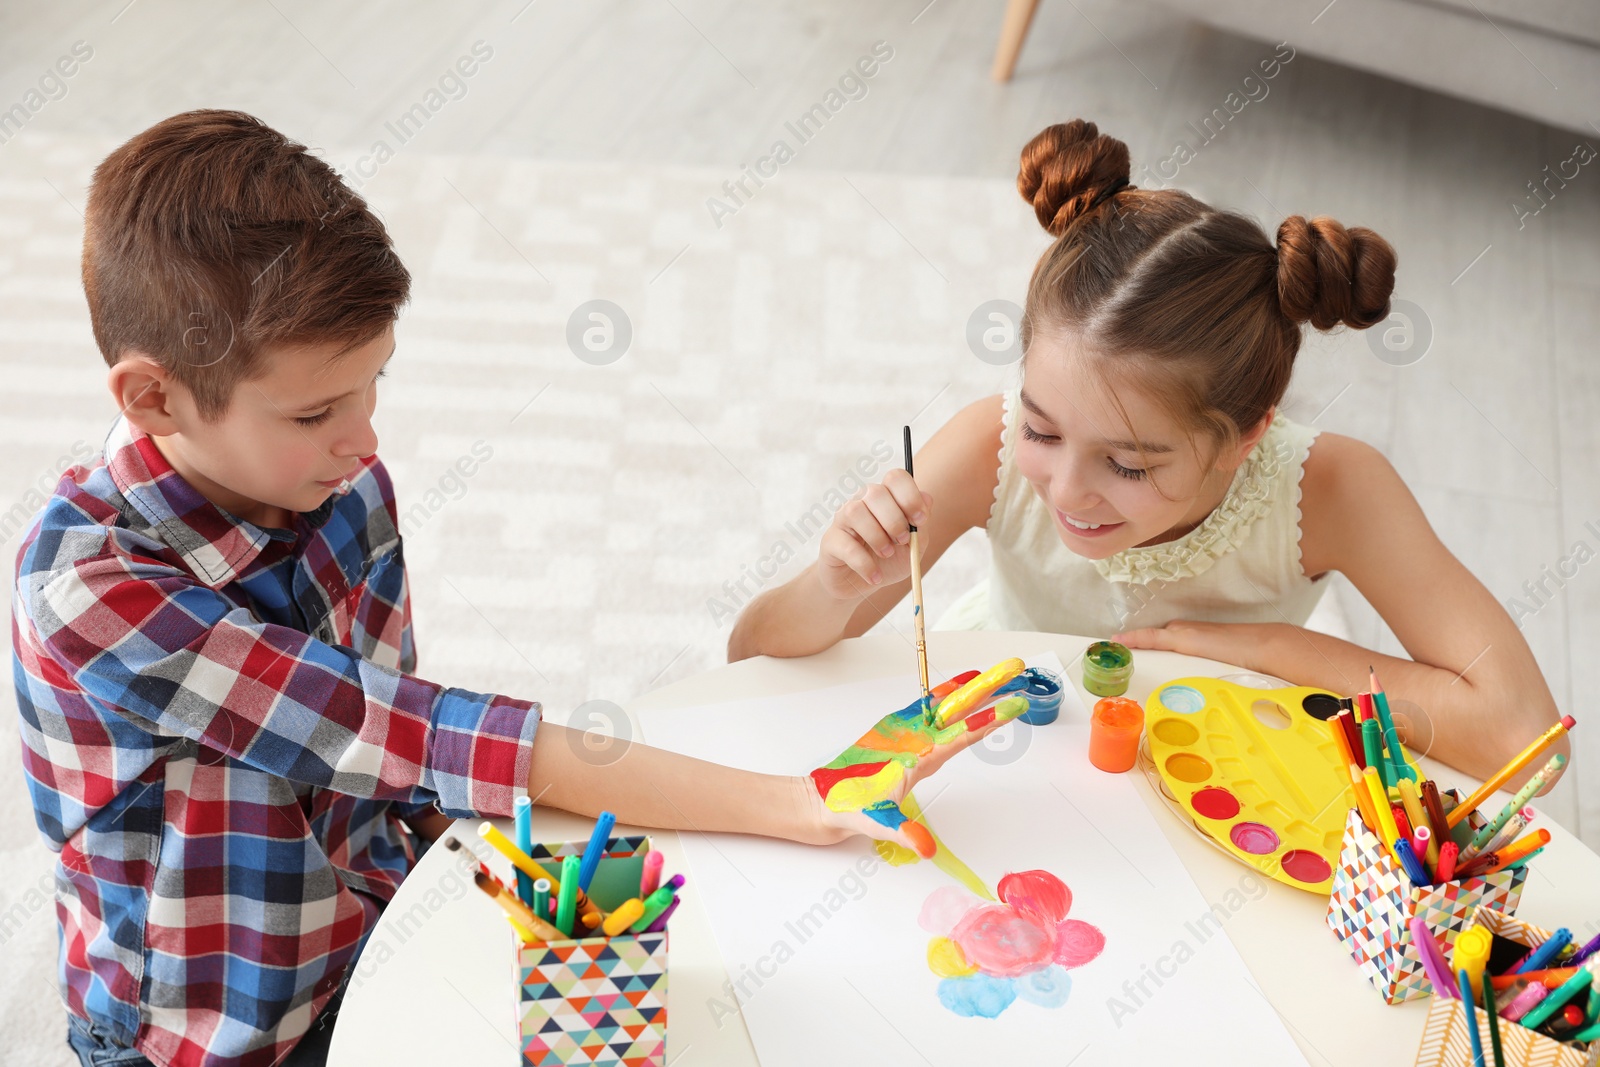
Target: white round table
{"x":435,"y":982}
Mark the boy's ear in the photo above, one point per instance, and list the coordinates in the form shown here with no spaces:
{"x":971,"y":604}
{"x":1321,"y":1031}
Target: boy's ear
{"x":144,"y":392}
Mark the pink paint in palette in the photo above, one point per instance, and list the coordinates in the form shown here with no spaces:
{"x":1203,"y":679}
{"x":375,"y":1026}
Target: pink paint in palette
{"x":990,"y":955}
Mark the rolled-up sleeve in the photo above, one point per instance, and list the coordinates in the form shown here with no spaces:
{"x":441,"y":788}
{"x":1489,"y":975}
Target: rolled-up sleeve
{"x":144,"y":637}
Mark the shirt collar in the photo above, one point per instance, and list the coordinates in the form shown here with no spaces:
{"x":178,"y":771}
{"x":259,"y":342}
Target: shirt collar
{"x":217,"y":545}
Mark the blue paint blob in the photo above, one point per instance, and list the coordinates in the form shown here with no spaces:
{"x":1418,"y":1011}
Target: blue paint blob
{"x":885,"y":812}
{"x":1048,"y":988}
{"x":977,"y":995}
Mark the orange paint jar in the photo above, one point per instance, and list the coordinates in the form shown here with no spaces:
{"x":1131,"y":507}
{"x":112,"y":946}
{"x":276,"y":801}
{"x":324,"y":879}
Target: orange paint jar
{"x":1114,"y":729}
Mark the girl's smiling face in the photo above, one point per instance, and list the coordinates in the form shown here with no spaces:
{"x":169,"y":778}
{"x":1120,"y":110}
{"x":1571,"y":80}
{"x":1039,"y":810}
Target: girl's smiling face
{"x":1113,"y":480}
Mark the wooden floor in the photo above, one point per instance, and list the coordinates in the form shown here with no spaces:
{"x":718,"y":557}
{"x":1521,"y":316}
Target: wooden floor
{"x":1495,"y":428}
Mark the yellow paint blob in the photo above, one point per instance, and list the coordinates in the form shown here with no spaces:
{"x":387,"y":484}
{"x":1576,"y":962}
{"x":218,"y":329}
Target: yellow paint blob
{"x":946,"y":959}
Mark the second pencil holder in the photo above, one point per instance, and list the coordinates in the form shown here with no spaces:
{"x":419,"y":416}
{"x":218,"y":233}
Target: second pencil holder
{"x":595,"y":1000}
{"x":1447,"y":1042}
{"x":1373,"y":903}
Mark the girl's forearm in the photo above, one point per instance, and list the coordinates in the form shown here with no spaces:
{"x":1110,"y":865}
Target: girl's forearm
{"x":1474,"y":727}
{"x":798,"y":618}
{"x":586,"y":773}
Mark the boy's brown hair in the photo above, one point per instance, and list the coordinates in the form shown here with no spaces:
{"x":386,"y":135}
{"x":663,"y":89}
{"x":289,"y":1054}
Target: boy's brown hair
{"x":211,"y":236}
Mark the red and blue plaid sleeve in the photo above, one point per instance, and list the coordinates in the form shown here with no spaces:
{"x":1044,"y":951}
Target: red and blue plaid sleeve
{"x":143,"y":636}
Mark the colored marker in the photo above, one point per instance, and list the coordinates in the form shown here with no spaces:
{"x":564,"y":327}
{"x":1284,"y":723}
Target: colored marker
{"x":1524,"y":1002}
{"x":567,"y":895}
{"x":1588,"y":1033}
{"x":1417,"y":815}
{"x":1431,"y":806}
{"x":661,"y":920}
{"x":1472,"y":954}
{"x":1401,"y":822}
{"x":1446,"y":871}
{"x":1372,"y":745}
{"x":1433,"y":964}
{"x":1550,"y":977}
{"x":1589,"y":949}
{"x":1391,"y":737}
{"x":541,"y":897}
{"x":1349,"y":739}
{"x":522,"y":815}
{"x":1553,"y":1003}
{"x":1541,"y":957}
{"x":658,"y":902}
{"x":1516,"y":863}
{"x":1522,"y":848}
{"x":1472,"y":1016}
{"x":1409,"y":863}
{"x":1494,"y":1023}
{"x":626,"y":914}
{"x":596,"y":849}
{"x":650,"y":878}
{"x":1503,"y":775}
{"x":1511,"y":830}
{"x":1421,"y":841}
{"x":1481,"y":840}
{"x":519,"y":859}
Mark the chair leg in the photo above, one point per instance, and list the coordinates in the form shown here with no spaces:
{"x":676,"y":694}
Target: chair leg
{"x":1013,"y":31}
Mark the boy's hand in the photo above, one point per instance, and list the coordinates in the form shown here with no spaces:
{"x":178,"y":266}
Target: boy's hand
{"x":868,"y":543}
{"x":859,"y":791}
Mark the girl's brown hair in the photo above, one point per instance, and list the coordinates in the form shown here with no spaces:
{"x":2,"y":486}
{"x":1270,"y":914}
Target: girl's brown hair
{"x":1194,"y":298}
{"x":211,"y":237}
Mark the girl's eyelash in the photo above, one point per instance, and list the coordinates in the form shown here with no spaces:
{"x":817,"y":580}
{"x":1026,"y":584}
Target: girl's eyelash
{"x":1134,"y":473}
{"x":1127,"y":472}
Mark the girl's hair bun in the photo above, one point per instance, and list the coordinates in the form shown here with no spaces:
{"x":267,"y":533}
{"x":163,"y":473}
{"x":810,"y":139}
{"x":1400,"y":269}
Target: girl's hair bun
{"x":1329,"y":275}
{"x":1066,"y":168}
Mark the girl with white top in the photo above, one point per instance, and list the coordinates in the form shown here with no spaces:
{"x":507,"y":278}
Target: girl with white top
{"x":1141,"y":485}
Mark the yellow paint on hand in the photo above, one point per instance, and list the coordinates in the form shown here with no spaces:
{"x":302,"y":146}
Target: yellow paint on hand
{"x":971,"y":696}
{"x":853,"y":794}
{"x":946,"y":959}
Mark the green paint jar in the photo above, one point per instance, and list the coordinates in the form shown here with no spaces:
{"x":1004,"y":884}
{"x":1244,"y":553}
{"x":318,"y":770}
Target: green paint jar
{"x":1107,"y":667}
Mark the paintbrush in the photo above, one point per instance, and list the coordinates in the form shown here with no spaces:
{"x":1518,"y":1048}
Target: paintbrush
{"x":917,"y":615}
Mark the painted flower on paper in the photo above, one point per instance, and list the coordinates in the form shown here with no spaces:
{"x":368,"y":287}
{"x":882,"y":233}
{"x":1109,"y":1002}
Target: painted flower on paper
{"x":989,"y":955}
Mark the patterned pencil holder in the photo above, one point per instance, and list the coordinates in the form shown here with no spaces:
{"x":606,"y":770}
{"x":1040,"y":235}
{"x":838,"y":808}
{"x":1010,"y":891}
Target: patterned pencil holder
{"x":1446,"y":1041}
{"x":595,"y":1000}
{"x":1373,"y":902}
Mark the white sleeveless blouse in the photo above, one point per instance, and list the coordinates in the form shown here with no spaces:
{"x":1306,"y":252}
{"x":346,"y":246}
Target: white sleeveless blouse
{"x":1241,"y":564}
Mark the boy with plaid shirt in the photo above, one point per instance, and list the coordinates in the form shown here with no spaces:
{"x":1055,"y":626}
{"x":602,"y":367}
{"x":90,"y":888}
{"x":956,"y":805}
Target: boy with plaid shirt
{"x":222,"y":732}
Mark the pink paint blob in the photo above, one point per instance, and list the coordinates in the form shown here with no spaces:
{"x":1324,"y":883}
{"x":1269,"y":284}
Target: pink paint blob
{"x":1004,"y":942}
{"x":1077,"y":943}
{"x":1254,"y":838}
{"x":1038,"y":893}
{"x":944,"y":908}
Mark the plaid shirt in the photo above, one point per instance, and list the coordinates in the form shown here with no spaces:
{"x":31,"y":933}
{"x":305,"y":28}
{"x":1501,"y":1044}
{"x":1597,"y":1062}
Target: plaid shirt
{"x":220,"y":732}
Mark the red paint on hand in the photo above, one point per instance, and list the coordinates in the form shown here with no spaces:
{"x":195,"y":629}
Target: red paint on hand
{"x":826,"y":777}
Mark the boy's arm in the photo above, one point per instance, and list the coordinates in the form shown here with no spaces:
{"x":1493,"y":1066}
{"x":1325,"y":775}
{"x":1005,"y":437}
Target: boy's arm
{"x":146,"y":638}
{"x":646,"y":786}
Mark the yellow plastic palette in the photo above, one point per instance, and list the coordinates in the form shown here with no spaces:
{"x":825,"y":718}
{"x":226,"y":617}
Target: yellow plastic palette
{"x":1258,"y":771}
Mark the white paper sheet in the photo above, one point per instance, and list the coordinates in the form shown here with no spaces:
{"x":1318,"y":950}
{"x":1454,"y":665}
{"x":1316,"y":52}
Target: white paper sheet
{"x":824,"y":946}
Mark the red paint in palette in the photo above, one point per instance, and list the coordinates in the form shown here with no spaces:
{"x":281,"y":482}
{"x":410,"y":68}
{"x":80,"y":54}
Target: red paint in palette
{"x":1215,"y":803}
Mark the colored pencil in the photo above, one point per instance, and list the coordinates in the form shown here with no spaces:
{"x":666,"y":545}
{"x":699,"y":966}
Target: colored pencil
{"x":1503,"y":775}
{"x":1494,"y":1022}
{"x":1525,"y":794}
{"x":1391,"y":737}
{"x":1472,"y":1017}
